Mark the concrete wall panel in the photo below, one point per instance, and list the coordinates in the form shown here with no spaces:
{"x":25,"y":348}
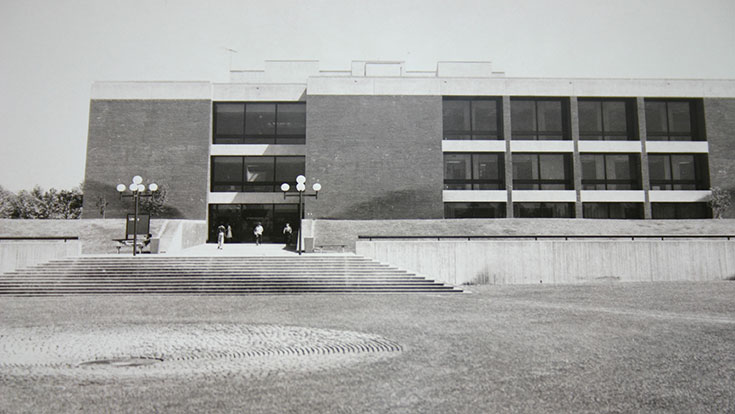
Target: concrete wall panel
{"x":545,"y":261}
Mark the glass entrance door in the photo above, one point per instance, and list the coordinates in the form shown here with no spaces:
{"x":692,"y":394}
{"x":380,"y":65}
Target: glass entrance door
{"x":242,"y":219}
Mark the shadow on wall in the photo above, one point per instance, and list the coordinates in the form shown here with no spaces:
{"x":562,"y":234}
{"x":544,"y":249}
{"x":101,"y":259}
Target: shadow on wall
{"x":393,"y":205}
{"x":101,"y":200}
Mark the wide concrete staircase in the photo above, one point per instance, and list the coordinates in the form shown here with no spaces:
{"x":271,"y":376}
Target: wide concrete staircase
{"x":163,"y":275}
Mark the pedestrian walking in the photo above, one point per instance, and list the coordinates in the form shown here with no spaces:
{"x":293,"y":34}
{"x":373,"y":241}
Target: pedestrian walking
{"x":258,"y":232}
{"x":288,"y":233}
{"x":220,"y":236}
{"x":228,"y":235}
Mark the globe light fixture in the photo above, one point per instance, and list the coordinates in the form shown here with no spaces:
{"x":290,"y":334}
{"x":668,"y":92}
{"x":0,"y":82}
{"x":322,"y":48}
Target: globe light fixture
{"x":301,"y":188}
{"x":137,"y":190}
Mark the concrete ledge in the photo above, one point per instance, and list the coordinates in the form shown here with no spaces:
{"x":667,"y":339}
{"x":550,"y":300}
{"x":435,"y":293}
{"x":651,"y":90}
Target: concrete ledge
{"x":509,"y":262}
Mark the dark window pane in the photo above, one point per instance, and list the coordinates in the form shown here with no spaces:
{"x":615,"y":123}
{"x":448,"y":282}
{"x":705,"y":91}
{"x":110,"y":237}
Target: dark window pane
{"x":260,"y":119}
{"x":291,"y":119}
{"x":487,"y":167}
{"x":656,"y":118}
{"x":679,"y":117}
{"x":525,"y":167}
{"x":288,"y":168}
{"x":549,"y":116}
{"x":590,"y":117}
{"x":614,"y":113}
{"x":457,"y":166}
{"x":663,"y":211}
{"x":680,"y":211}
{"x":484,"y":116}
{"x":456,"y":115}
{"x":523,"y":116}
{"x":595,"y":210}
{"x":553,"y":166}
{"x":229,"y":119}
{"x":618,"y":167}
{"x":593,"y":167}
{"x":543,"y":210}
{"x":474,"y":210}
{"x":258,"y":175}
{"x":658,"y":167}
{"x":227,"y":168}
{"x":683,"y":167}
{"x":613,"y":210}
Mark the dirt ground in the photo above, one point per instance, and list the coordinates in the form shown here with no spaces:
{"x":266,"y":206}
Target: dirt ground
{"x":608,"y":347}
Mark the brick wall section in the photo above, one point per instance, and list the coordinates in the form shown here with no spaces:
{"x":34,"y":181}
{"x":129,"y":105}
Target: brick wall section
{"x":164,"y":141}
{"x":377,"y":157}
{"x":720,"y":128}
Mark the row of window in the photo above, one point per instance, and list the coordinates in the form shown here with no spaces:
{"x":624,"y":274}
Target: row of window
{"x":552,"y":171}
{"x":259,"y":123}
{"x":255,"y":174}
{"x":609,"y":119}
{"x":590,"y":210}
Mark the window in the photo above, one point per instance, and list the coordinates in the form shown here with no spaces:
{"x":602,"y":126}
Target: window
{"x":543,"y":210}
{"x":474,"y":210}
{"x":610,"y":171}
{"x":542,"y":171}
{"x":539,"y":118}
{"x":606,"y":119}
{"x":254,"y":174}
{"x":678,"y":171}
{"x":474,"y":171}
{"x":259,"y":123}
{"x":612,"y":210}
{"x":472,"y":118}
{"x":680,"y":211}
{"x":673,"y":120}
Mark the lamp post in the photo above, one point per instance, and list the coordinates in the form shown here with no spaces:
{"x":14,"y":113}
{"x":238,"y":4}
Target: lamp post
{"x":137,"y":190}
{"x":301,"y":188}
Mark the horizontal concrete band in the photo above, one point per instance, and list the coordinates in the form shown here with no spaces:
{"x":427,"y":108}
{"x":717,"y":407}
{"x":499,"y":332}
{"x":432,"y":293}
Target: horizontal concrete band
{"x":521,"y":87}
{"x":573,"y":261}
{"x":257,"y":149}
{"x":327,"y":85}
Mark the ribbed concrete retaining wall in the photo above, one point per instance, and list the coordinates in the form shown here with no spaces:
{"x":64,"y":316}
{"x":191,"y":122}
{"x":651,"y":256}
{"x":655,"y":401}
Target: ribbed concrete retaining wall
{"x":21,"y":254}
{"x":547,"y":261}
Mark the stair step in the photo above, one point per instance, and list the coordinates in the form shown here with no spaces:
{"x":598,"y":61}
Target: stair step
{"x":214,"y":276}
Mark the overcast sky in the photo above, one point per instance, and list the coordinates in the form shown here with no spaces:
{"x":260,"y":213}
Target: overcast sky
{"x":52,"y":50}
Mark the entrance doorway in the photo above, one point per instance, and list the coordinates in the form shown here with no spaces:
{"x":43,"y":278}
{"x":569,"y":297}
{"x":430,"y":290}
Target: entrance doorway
{"x":242,"y":219}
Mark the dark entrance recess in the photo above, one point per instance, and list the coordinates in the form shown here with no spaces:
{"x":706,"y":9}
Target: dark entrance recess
{"x":243,"y":217}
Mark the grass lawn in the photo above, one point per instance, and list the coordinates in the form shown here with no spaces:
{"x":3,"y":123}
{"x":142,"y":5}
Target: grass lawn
{"x":653,"y":347}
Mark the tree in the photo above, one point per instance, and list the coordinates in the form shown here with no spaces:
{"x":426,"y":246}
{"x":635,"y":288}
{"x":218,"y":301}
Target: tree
{"x":102,"y":204}
{"x":37,"y":204}
{"x":156,"y":204}
{"x":720,"y":201}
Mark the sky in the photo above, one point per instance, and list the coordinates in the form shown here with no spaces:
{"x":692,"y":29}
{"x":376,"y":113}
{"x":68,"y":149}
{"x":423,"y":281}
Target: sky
{"x":52,"y":50}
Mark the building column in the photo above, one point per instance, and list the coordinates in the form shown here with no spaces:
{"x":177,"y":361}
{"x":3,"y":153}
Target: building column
{"x":576,"y":159}
{"x":508,"y":158}
{"x":645,"y":177}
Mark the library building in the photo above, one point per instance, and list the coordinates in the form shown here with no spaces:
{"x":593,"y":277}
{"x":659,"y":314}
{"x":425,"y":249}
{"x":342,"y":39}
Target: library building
{"x":459,"y":142}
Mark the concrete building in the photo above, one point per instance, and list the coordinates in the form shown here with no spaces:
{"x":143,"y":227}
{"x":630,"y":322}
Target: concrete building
{"x":385,"y":143}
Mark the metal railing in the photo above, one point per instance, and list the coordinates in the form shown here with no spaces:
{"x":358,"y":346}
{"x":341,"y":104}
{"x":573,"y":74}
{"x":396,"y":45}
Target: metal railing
{"x":64,"y":238}
{"x":553,"y":236}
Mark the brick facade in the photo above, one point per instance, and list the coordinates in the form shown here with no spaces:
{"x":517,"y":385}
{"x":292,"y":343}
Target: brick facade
{"x":377,"y":157}
{"x":164,"y":141}
{"x":720,"y":124}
